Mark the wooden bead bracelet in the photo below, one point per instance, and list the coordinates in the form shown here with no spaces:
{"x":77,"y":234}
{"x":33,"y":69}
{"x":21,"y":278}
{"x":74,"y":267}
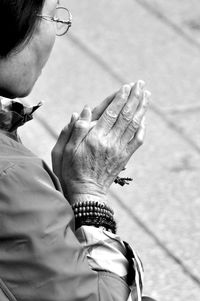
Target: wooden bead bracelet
{"x":94,"y":214}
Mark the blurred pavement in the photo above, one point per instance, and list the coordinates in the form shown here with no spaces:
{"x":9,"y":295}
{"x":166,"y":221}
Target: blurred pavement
{"x":114,"y":42}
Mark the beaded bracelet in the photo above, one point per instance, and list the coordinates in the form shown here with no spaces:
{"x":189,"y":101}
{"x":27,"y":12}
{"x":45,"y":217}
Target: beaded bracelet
{"x":94,"y":214}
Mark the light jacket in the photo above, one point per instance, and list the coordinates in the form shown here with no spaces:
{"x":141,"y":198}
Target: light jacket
{"x":41,"y":258}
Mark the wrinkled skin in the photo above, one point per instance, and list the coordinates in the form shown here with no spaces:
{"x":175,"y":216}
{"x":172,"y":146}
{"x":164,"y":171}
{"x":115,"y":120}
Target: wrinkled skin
{"x":93,"y":149}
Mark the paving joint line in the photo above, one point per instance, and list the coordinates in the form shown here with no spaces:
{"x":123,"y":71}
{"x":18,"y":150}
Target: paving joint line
{"x":47,"y":126}
{"x":183,"y":109}
{"x":165,"y":20}
{"x":158,"y":242}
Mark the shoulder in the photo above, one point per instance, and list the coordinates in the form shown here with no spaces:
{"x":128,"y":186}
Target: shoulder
{"x":9,"y":148}
{"x":19,"y":165}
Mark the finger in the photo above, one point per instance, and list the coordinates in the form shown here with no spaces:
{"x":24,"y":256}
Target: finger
{"x":60,"y":144}
{"x":137,"y":118}
{"x":85,"y":114}
{"x":110,"y":115}
{"x":129,"y":109}
{"x":81,"y":127}
{"x":139,"y":89}
{"x":142,"y":107}
{"x":138,"y":139}
{"x":99,"y":110}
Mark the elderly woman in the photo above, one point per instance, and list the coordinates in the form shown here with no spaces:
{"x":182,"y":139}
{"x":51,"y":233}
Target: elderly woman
{"x":58,"y":238}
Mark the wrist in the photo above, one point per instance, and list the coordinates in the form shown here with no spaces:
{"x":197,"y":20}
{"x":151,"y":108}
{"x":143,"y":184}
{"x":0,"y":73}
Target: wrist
{"x":76,"y":191}
{"x":80,"y":197}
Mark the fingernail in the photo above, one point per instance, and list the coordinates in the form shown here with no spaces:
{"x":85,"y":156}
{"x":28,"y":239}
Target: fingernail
{"x":139,"y":88}
{"x":86,"y":113}
{"x":126,"y":90}
{"x":141,"y":84}
{"x":86,"y":107}
{"x":74,"y":117}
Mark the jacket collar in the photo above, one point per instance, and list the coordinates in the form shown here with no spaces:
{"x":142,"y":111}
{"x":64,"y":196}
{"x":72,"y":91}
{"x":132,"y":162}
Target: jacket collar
{"x":14,"y":114}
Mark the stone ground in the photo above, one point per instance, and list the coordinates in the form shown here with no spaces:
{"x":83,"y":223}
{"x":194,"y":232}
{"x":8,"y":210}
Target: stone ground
{"x":114,"y":42}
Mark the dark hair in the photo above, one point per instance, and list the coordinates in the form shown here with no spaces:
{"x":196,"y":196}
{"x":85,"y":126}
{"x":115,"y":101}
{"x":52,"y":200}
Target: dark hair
{"x":18,"y":19}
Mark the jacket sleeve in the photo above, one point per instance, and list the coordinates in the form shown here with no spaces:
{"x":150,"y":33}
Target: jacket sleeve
{"x":40,"y":256}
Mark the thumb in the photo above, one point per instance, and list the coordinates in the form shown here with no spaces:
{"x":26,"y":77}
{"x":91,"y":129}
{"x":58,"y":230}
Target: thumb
{"x":81,"y":127}
{"x":86,"y":114}
{"x":57,"y":151}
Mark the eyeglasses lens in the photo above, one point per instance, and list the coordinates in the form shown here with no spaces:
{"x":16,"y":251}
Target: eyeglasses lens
{"x":63,"y":15}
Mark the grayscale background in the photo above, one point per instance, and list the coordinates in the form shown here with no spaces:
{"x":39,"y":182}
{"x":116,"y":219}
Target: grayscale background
{"x":118,"y":41}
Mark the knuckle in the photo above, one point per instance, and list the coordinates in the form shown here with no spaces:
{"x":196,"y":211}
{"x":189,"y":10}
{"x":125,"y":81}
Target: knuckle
{"x":106,"y":144}
{"x":134,"y":125}
{"x":81,"y":124}
{"x":124,"y":91}
{"x":145,"y":104}
{"x":126,"y":113}
{"x":113,"y":154}
{"x":94,"y":140}
{"x":111,"y":114}
{"x":136,"y":120}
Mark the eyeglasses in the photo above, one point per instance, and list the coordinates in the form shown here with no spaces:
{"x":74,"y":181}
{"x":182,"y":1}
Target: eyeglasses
{"x":63,"y":20}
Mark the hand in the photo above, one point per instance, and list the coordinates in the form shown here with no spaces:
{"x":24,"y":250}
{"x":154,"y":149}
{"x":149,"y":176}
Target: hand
{"x":58,"y":150}
{"x":93,"y":157}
